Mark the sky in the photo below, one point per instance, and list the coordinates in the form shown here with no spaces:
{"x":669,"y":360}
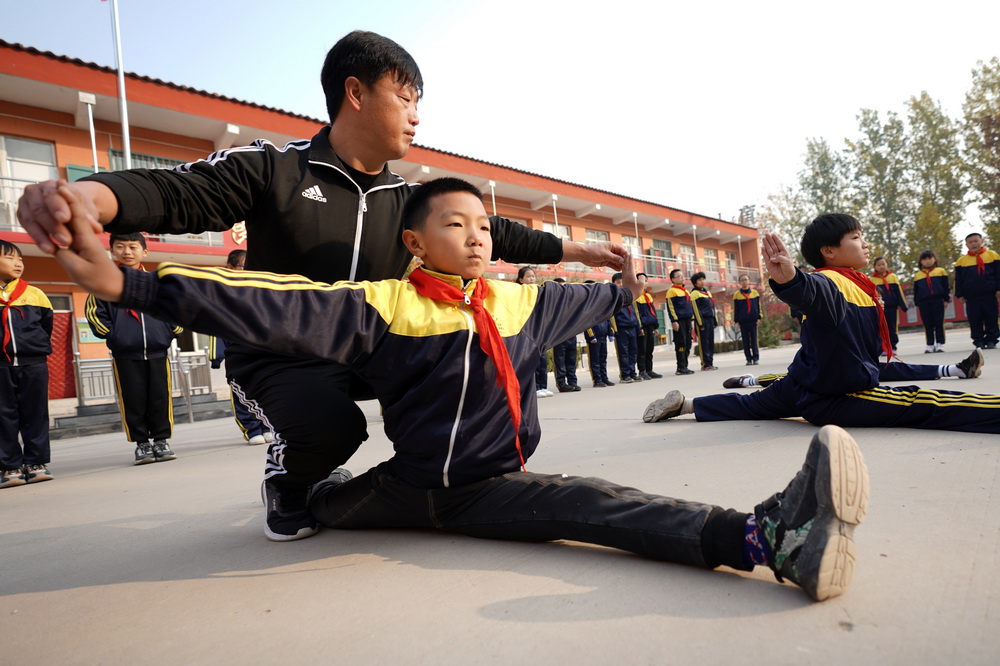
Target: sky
{"x":705,"y":107}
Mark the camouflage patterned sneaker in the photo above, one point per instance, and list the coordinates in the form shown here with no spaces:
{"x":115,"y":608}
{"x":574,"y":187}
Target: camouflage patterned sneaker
{"x":666,"y":407}
{"x":810,"y":525}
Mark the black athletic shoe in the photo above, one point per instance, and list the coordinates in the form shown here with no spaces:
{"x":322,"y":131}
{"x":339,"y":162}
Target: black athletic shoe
{"x":565,"y":388}
{"x":608,"y":382}
{"x":735,"y":382}
{"x":319,"y":490}
{"x":810,"y":525}
{"x":625,"y":380}
{"x":666,"y":407}
{"x":684,"y":371}
{"x":161,"y":450}
{"x":992,"y":345}
{"x":654,"y":375}
{"x":37,"y":473}
{"x":11,"y":477}
{"x":600,"y":385}
{"x":972,"y":365}
{"x":644,"y":376}
{"x":144,"y":453}
{"x":287,"y":512}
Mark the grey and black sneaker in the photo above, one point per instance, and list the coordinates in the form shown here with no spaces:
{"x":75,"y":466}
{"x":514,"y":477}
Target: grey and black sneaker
{"x":666,"y":407}
{"x":11,"y":477}
{"x":287,"y":516}
{"x":144,"y":453}
{"x":810,"y":525}
{"x":161,"y":450}
{"x":735,"y":382}
{"x":972,"y":365}
{"x":37,"y":473}
{"x":321,"y":489}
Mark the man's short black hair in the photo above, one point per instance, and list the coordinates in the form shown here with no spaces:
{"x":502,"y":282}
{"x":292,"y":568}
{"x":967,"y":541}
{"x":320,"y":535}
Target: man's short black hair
{"x":617,"y":277}
{"x":127,"y":238}
{"x":368,"y":57}
{"x":974,"y":233}
{"x":235,"y":257}
{"x":676,"y":270}
{"x":6,"y":247}
{"x":638,"y":275}
{"x":697,"y":276}
{"x":418,"y":205}
{"x":826,"y":231}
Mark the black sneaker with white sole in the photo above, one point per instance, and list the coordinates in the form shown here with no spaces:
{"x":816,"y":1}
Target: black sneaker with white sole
{"x":972,"y":365}
{"x":287,"y":515}
{"x":809,"y":526}
{"x":144,"y":453}
{"x":161,"y":450}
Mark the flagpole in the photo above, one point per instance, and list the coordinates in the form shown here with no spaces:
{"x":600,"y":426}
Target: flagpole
{"x":122,"y":104}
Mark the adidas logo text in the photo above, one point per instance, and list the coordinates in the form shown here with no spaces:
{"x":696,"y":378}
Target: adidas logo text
{"x":314,"y":194}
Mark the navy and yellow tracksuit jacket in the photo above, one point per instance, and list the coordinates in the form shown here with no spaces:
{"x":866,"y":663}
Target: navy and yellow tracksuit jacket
{"x":624,"y":319}
{"x":598,"y":331}
{"x":746,"y":306}
{"x":27,"y":322}
{"x":931,"y":285}
{"x":704,"y":306}
{"x":890,"y":290}
{"x":971,"y":283}
{"x":443,"y":411}
{"x":129,"y":334}
{"x":646,"y":311}
{"x":679,"y":304}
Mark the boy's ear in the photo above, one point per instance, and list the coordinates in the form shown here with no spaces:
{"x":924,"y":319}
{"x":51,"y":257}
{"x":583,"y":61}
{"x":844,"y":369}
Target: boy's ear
{"x":828,"y":251}
{"x":413,"y":243}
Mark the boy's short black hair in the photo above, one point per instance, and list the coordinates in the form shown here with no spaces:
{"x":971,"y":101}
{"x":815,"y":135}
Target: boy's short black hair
{"x":927,"y":254}
{"x":234,"y":257}
{"x":6,"y":247}
{"x":125,"y":238}
{"x":418,"y":205}
{"x":743,"y":275}
{"x":676,"y":270}
{"x":697,"y":276}
{"x":642,"y":275}
{"x":974,"y":233}
{"x":368,"y":57}
{"x":617,"y":277}
{"x":878,"y":259}
{"x":826,"y":231}
{"x":560,"y":280}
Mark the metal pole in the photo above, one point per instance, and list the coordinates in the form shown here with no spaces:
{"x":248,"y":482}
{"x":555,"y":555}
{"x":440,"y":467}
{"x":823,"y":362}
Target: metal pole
{"x":122,"y":103}
{"x":493,"y":195}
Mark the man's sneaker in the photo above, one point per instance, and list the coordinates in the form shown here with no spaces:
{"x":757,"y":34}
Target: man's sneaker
{"x":709,"y":367}
{"x":144,"y":453}
{"x":666,"y":407}
{"x":684,"y":371}
{"x":287,"y":516}
{"x":320,"y":490}
{"x":608,"y":382}
{"x":37,"y":473}
{"x":809,"y":526}
{"x":161,"y":450}
{"x":735,"y":382}
{"x":541,"y":393}
{"x":11,"y":477}
{"x":972,"y":366}
{"x":268,"y":437}
{"x":654,"y":375}
{"x":636,"y":378}
{"x":257,"y":440}
{"x":600,"y":385}
{"x":625,"y":380}
{"x":644,"y":376}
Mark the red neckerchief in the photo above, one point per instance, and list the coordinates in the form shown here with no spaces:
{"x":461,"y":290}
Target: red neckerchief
{"x":980,"y":266}
{"x":686,"y":294}
{"x":884,"y":277}
{"x":489,"y":338}
{"x":129,"y":310}
{"x":649,"y":302}
{"x":869,"y":288}
{"x":746,"y":297}
{"x":927,"y":276}
{"x":20,"y":288}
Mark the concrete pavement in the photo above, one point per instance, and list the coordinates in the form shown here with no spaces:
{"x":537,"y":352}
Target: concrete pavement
{"x":166,"y":563}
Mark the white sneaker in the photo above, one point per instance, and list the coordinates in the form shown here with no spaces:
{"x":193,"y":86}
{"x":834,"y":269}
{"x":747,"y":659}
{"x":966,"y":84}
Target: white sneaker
{"x":268,"y":437}
{"x":542,"y":393}
{"x":257,"y":440}
{"x":548,"y":393}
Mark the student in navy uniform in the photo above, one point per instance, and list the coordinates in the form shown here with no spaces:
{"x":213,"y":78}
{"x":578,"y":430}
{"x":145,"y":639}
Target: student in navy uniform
{"x":977,"y":285}
{"x":564,"y":357}
{"x":649,"y":328}
{"x":892,"y":297}
{"x":255,"y":432}
{"x":416,"y":343}
{"x":26,"y":322}
{"x":625,"y":328}
{"x":597,"y":350}
{"x":526,"y":275}
{"x":704,"y":316}
{"x":681,"y":313}
{"x":931,"y":291}
{"x":746,"y":313}
{"x":138,"y":345}
{"x":834,"y":377}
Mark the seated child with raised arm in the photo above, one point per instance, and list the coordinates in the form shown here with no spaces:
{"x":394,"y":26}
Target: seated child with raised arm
{"x":451,"y":356}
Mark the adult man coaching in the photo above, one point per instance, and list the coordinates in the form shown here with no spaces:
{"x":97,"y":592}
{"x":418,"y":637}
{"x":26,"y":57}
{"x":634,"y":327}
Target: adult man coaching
{"x":327,"y":208}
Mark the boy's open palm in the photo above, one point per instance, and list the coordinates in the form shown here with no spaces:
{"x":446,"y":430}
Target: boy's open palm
{"x":777,"y":262}
{"x":85,"y":260}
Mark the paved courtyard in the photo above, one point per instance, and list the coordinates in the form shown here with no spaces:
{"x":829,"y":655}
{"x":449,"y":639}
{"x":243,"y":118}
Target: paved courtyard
{"x":167,"y":563}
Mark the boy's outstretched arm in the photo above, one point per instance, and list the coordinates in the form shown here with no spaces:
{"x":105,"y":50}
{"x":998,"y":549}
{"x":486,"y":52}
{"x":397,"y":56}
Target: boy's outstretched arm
{"x":777,"y":262}
{"x":85,"y":260}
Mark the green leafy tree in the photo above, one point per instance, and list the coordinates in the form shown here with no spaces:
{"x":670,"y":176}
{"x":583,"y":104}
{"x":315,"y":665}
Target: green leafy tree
{"x":823,"y":181}
{"x":935,"y":162}
{"x":786,"y":213}
{"x":982,"y":143}
{"x":927,"y":233}
{"x":882,"y":197}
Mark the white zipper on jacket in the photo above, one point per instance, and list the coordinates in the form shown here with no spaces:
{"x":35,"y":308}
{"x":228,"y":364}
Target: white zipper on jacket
{"x":362,"y":209}
{"x":13,"y":337}
{"x":142,"y":322}
{"x":461,"y":400}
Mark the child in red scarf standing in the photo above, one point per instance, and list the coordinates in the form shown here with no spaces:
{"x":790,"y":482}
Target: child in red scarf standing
{"x":977,"y":285}
{"x":892,"y":297}
{"x":746,"y":313}
{"x":451,"y":356}
{"x":834,"y":377}
{"x":931,"y":292}
{"x":681,"y":313}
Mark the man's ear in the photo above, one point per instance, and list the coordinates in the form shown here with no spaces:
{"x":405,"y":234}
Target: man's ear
{"x":354,"y":90}
{"x":413,"y":243}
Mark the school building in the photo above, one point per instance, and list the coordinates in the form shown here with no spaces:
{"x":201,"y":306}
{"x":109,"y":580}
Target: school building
{"x":59,"y":118}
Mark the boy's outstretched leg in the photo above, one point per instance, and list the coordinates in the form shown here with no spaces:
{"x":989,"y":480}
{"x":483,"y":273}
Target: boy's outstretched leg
{"x":809,"y":527}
